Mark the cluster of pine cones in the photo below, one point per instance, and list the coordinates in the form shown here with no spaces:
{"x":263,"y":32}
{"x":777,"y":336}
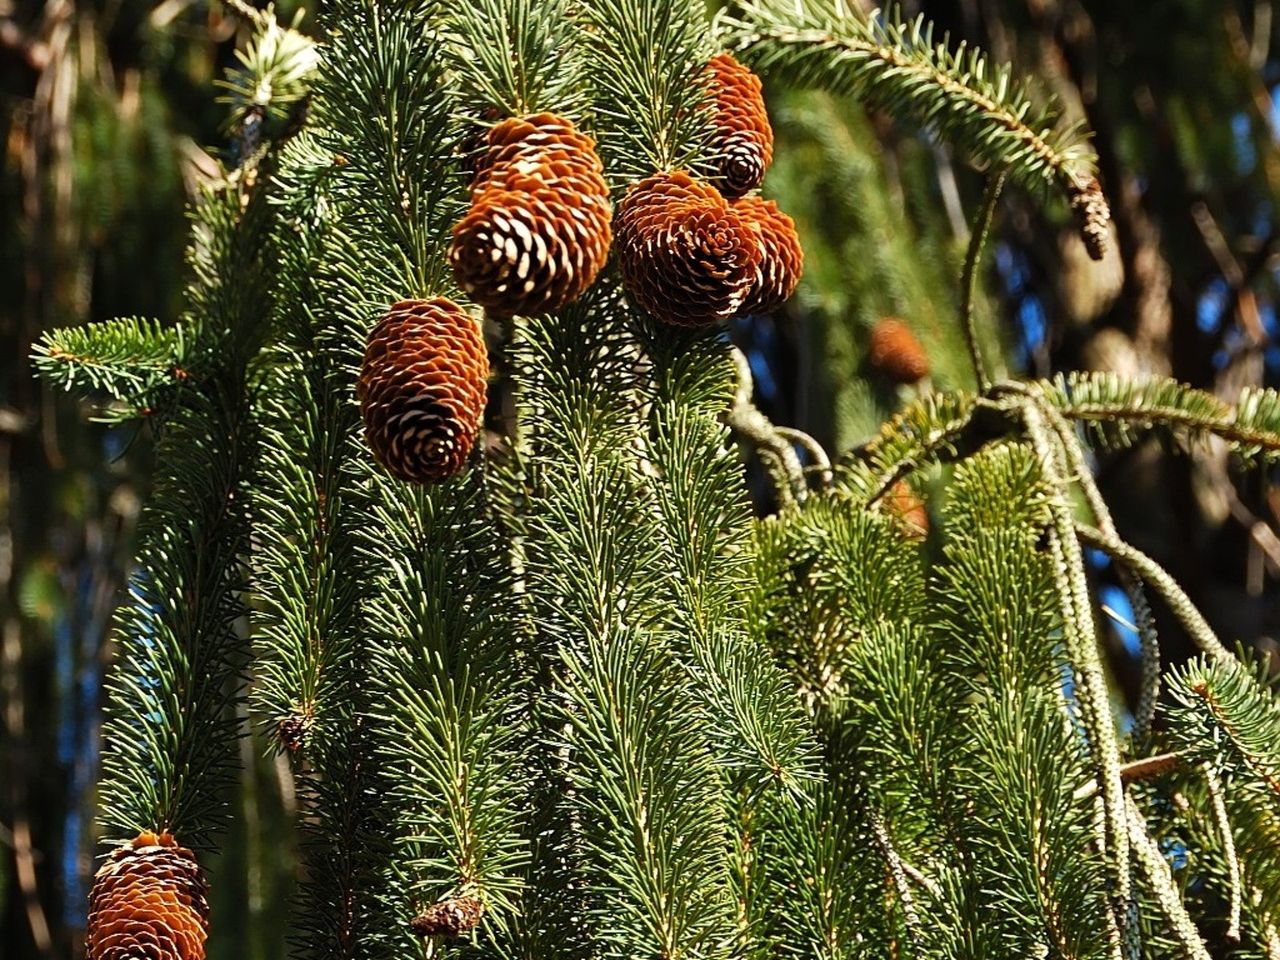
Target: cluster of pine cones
{"x":691,"y":251}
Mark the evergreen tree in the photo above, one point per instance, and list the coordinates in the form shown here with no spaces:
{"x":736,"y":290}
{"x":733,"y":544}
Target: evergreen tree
{"x":554,"y":691}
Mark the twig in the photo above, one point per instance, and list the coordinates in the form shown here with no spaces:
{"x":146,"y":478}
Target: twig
{"x":1187,"y":613}
{"x":969,"y":279}
{"x":1160,"y":880}
{"x":897,"y":870}
{"x":821,"y":461}
{"x":1080,"y":634}
{"x":1223,"y":824}
{"x":1135,"y":770}
{"x":1144,"y":622}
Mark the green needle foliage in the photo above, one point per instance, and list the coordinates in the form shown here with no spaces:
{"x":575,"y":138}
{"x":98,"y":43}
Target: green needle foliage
{"x":579,"y":698}
{"x":899,"y":67}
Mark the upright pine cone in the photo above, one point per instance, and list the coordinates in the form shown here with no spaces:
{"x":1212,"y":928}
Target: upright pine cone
{"x":685,"y":255}
{"x":149,"y":902}
{"x":537,"y":232}
{"x":896,"y":353}
{"x":422,"y":389}
{"x":781,"y":261}
{"x":743,"y":144}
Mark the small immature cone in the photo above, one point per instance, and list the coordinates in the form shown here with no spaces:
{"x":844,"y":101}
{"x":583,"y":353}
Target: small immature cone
{"x":448,"y":918}
{"x":538,"y":229}
{"x":685,"y":255}
{"x":422,"y":389}
{"x":149,"y":901}
{"x":896,"y":353}
{"x":901,"y":501}
{"x":743,"y":144}
{"x":781,"y":261}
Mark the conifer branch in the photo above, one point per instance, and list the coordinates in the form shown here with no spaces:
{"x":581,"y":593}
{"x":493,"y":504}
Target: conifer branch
{"x":969,"y":278}
{"x":1226,"y":717}
{"x":646,"y":64}
{"x":1132,"y":585}
{"x":515,"y":57}
{"x":138,"y":362}
{"x":170,"y":727}
{"x":1116,"y":409}
{"x":1160,"y":882}
{"x":898,"y":876}
{"x":1080,"y":636}
{"x":898,"y":67}
{"x":1223,"y":823}
{"x":1151,"y":572}
{"x":932,"y":427}
{"x":385,"y":115}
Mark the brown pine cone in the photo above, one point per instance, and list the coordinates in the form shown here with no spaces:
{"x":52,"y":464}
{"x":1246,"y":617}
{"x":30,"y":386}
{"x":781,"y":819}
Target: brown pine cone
{"x":896,"y":353}
{"x":538,"y":231}
{"x":902,"y":503}
{"x":782,"y":260}
{"x":743,"y":143}
{"x":149,"y":902}
{"x":422,"y":389}
{"x":686,"y":257}
{"x":448,"y":918}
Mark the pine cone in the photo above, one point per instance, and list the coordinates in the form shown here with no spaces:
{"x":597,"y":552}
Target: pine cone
{"x":422,"y":389}
{"x":449,"y":918}
{"x":685,"y":256}
{"x":896,"y":353}
{"x":782,"y":260}
{"x":537,"y":232}
{"x":149,"y":902}
{"x":743,"y":144}
{"x":901,"y":502}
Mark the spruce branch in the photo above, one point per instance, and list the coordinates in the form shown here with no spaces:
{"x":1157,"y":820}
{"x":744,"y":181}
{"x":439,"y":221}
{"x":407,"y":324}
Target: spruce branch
{"x":969,"y":279}
{"x":139,"y":363}
{"x":1224,"y":715}
{"x":898,"y":67}
{"x":898,"y":876}
{"x":1117,"y":409}
{"x":170,"y":724}
{"x":647,"y":58}
{"x":1130,"y":583}
{"x":1080,"y":635}
{"x":1188,"y":614}
{"x":516,"y":56}
{"x":383,"y":108}
{"x":932,"y":427}
{"x":273,"y":77}
{"x":1223,"y":823}
{"x":777,"y":452}
{"x":1162,"y":886}
{"x":442,"y":651}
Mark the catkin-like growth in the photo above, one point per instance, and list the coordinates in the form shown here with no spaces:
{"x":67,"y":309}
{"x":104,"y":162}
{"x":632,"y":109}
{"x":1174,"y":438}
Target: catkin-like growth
{"x":538,"y":229}
{"x":685,"y":255}
{"x":422,"y":389}
{"x":149,"y":901}
{"x":896,"y":354}
{"x":781,"y":258}
{"x":742,"y":148}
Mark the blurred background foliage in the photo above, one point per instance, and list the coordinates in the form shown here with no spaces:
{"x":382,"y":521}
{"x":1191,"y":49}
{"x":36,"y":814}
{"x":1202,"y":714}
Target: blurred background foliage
{"x":108,"y":120}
